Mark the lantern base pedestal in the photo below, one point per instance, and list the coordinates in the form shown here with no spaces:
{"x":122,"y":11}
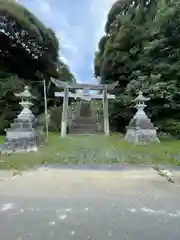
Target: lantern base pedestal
{"x":23,"y":136}
{"x":141,"y":136}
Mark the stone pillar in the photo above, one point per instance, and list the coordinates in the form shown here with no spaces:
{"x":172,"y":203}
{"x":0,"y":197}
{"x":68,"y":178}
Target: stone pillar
{"x":65,"y":113}
{"x":106,"y":114}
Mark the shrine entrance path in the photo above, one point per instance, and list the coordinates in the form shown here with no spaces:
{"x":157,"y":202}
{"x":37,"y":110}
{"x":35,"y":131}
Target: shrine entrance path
{"x":52,"y":203}
{"x":94,"y":150}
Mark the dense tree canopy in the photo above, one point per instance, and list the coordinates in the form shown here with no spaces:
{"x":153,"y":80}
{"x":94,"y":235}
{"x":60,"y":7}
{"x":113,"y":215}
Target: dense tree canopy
{"x":26,"y":44}
{"x":29,"y":53}
{"x":141,"y":50}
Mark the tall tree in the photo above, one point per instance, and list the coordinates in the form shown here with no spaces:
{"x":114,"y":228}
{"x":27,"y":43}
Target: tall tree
{"x":141,"y":52}
{"x":29,"y":53}
{"x":27,"y":45}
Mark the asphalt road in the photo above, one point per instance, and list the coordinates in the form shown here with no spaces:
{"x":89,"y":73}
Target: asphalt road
{"x":97,"y":205}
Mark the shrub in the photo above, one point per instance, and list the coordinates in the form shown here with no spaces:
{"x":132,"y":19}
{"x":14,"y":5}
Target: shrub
{"x":170,"y":126}
{"x":55,"y":119}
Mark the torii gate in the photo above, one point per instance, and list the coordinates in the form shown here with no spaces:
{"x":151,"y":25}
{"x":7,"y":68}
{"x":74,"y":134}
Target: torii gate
{"x":66,"y":94}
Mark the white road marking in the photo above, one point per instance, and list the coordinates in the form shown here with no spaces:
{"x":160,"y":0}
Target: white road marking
{"x":52,"y":223}
{"x":133,"y":210}
{"x":174,"y":214}
{"x":148,"y":210}
{"x":62,"y":217}
{"x":160,"y":212}
{"x":72,"y":233}
{"x":68,"y":209}
{"x":7,"y":206}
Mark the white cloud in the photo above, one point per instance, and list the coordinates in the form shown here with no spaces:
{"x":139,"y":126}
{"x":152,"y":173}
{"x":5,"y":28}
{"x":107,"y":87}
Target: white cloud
{"x":65,"y":41}
{"x":64,"y":59}
{"x":99,"y":10}
{"x":69,"y":45}
{"x":43,"y":6}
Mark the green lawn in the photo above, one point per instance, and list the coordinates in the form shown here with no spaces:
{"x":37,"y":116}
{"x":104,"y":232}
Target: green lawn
{"x":94,"y":150}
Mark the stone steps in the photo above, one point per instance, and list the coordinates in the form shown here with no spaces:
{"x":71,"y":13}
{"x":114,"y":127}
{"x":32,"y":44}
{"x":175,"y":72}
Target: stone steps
{"x":84,"y":122}
{"x":84,"y":125}
{"x":83,"y":129}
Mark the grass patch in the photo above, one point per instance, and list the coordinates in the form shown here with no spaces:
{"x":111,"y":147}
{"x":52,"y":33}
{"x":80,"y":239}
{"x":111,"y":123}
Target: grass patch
{"x":1,"y":139}
{"x":96,"y":149}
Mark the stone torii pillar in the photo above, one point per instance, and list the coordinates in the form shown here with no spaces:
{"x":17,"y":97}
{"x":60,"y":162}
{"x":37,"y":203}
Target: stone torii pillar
{"x":65,"y":112}
{"x":106,"y":113}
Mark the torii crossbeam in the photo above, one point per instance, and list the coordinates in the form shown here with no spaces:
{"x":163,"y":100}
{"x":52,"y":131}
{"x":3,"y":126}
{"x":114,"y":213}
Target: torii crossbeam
{"x":85,"y":95}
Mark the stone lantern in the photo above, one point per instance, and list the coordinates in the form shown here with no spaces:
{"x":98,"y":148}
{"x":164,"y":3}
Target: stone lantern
{"x":25,"y":134}
{"x":26,"y":104}
{"x":140,"y":129}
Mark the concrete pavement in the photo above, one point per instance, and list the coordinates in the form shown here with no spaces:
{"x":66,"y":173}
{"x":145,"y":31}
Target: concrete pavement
{"x":51,"y":204}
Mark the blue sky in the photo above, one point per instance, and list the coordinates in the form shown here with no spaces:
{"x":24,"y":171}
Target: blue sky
{"x":79,"y":24}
